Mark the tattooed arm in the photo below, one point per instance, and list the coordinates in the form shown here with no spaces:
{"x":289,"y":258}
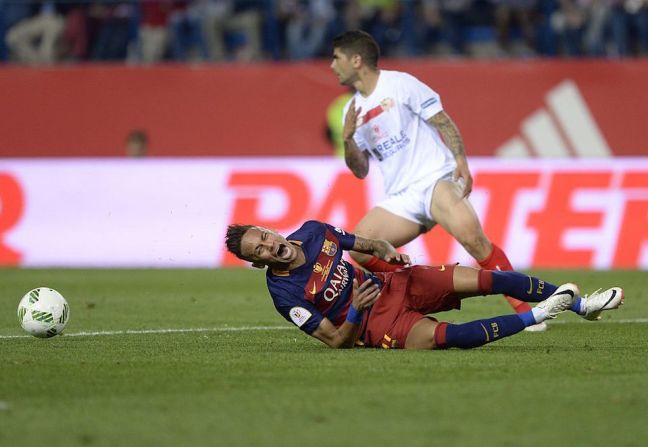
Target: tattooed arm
{"x":452,"y":138}
{"x":356,"y":159}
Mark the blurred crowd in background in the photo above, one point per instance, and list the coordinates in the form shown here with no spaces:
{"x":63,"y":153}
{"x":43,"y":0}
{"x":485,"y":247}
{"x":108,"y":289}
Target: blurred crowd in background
{"x":153,"y":31}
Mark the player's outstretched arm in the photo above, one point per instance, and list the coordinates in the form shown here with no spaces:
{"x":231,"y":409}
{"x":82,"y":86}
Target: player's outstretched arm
{"x":452,"y":138}
{"x":356,"y":160}
{"x":346,"y":335}
{"x":380,"y":249}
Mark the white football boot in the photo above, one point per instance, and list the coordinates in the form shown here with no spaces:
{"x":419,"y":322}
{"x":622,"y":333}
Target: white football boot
{"x":561,"y":300}
{"x":599,"y":301}
{"x":540,"y":327}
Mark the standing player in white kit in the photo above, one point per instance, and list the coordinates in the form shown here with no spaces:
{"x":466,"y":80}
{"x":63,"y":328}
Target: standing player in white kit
{"x":400,"y":122}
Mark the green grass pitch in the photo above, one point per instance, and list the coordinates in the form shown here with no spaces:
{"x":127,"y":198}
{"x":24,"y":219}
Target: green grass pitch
{"x":230,"y":382}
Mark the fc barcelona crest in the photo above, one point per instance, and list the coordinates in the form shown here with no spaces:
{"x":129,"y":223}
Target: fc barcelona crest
{"x":329,"y":247}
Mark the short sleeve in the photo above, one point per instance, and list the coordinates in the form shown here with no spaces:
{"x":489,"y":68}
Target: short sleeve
{"x":419,"y":98}
{"x":347,"y":240}
{"x":301,"y":313}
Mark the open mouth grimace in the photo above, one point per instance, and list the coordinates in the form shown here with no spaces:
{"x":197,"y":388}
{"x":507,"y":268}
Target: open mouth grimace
{"x":282,"y":251}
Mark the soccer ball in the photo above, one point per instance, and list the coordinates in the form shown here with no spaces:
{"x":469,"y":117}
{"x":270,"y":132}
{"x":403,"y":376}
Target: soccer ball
{"x":43,"y":312}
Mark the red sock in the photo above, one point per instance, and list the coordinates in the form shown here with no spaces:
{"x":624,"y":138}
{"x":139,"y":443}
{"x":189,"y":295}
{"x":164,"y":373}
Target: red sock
{"x":485,"y":281}
{"x":378,"y":265}
{"x":497,"y":260}
{"x":440,"y":335}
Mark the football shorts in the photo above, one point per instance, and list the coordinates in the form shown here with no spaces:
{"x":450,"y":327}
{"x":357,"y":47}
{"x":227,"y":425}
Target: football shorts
{"x":415,"y":202}
{"x":408,"y":295}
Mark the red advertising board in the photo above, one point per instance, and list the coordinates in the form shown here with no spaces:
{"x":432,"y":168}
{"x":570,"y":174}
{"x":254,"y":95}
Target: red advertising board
{"x":518,"y":108}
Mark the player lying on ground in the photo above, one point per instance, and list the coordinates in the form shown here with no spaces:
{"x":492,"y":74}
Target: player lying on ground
{"x":326,"y":297}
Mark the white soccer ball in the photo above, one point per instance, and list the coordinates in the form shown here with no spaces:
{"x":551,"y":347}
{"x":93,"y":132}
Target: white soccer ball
{"x":43,"y":312}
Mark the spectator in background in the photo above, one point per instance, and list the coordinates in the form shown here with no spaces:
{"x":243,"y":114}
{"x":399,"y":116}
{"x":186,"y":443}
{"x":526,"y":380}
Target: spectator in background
{"x":11,"y":13}
{"x":430,"y":26}
{"x":307,"y":24}
{"x":547,"y":44}
{"x":75,"y":42}
{"x":153,"y":36}
{"x":392,"y":23}
{"x":511,"y":15}
{"x":232,"y":29}
{"x":598,"y":12}
{"x":629,"y":24}
{"x":640,"y":22}
{"x":113,"y":29}
{"x":568,"y":22}
{"x":35,"y":39}
{"x":455,"y":21}
{"x":447,"y":19}
{"x":137,"y":143}
{"x":580,"y":26}
{"x":187,"y":40}
{"x":381,"y":18}
{"x":385,"y":25}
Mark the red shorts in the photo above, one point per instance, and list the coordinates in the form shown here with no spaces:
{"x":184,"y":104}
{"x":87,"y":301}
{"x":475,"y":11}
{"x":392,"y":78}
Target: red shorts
{"x":406,"y":297}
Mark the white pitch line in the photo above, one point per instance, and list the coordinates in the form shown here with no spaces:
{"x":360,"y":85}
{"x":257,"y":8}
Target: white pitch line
{"x":267,"y":328}
{"x":630,"y":321}
{"x":164,"y":331}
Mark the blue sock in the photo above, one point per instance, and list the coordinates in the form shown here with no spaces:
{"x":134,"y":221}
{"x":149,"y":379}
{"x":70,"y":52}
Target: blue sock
{"x":527,"y":318}
{"x":479,"y":332}
{"x":520,"y":286}
{"x":576,"y":307}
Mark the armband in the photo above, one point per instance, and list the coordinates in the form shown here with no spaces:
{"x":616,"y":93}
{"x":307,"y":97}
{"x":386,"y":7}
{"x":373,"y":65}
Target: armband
{"x":354,"y":316}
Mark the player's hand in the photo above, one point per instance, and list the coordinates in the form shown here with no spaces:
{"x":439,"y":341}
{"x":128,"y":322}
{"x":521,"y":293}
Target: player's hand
{"x":397,"y":258}
{"x":386,"y":251}
{"x":365,"y":295}
{"x":350,"y":121}
{"x":462,"y":172}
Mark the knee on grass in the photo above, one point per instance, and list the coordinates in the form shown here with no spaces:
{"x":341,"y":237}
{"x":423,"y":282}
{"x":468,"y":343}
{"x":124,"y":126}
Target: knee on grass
{"x":421,"y":336}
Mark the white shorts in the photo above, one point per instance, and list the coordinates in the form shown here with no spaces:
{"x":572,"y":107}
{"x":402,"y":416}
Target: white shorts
{"x":415,"y":202}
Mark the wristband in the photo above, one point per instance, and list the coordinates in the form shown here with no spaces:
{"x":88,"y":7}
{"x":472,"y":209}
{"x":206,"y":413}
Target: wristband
{"x":354,"y":316}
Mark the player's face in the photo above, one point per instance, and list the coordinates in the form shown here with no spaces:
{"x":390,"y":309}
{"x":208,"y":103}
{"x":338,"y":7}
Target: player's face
{"x":342,"y":67}
{"x":267,"y":247}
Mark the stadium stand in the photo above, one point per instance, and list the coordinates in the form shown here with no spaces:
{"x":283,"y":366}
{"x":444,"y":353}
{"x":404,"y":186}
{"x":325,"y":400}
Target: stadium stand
{"x":151,"y":31}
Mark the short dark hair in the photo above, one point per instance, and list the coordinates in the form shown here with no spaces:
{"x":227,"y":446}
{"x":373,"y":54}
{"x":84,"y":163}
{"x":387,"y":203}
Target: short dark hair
{"x":233,"y":238}
{"x":138,"y":136}
{"x":358,"y":42}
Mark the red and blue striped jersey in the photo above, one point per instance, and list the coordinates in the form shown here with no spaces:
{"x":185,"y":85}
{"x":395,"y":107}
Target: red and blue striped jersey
{"x":322,"y":286}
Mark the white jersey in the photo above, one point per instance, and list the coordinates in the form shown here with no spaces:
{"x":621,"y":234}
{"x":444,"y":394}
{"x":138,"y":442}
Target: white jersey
{"x":392,"y":129}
